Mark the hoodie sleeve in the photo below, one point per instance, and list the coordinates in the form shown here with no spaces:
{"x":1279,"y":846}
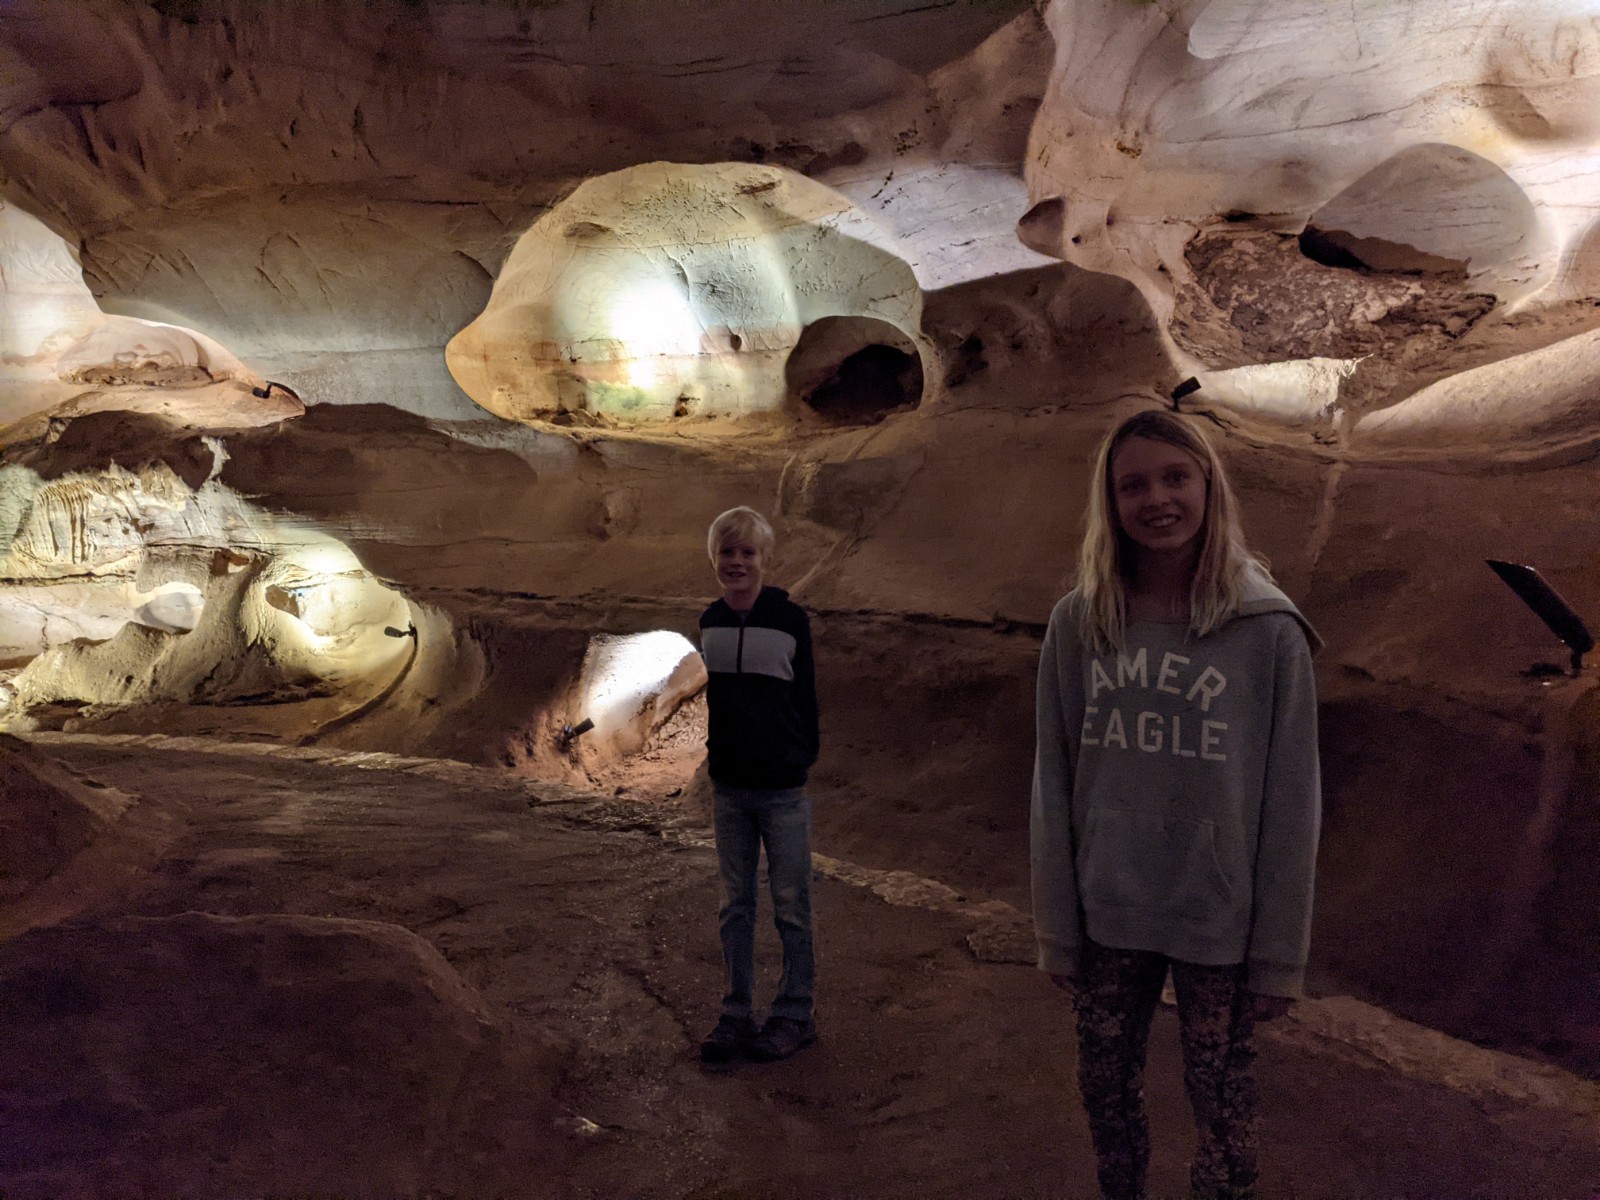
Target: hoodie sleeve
{"x":1058,"y":715}
{"x":1291,"y":818}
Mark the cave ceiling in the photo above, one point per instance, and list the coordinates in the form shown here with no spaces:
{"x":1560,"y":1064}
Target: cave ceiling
{"x":306,"y":183}
{"x":535,"y":279}
{"x":314,"y":179}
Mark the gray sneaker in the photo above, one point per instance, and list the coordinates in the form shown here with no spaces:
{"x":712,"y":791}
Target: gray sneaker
{"x":780,"y":1038}
{"x":731,"y":1038}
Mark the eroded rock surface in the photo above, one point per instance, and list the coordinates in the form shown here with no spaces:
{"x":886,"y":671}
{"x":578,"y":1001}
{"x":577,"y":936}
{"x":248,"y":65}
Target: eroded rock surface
{"x":47,"y":815}
{"x":57,"y":346}
{"x":208,"y":1054}
{"x":533,"y":1034}
{"x":1367,"y":231}
{"x":673,"y":290}
{"x":1427,"y":167}
{"x":268,"y":171}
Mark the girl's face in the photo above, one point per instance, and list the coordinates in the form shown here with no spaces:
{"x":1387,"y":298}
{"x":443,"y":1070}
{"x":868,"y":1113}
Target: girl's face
{"x":1160,"y":494}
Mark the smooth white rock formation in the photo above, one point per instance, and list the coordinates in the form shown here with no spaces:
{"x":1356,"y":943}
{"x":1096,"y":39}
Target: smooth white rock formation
{"x":672,"y":289}
{"x":56,"y":344}
{"x":1528,"y":404}
{"x":631,"y":683}
{"x":34,"y":617}
{"x":1471,"y":127}
{"x":1300,"y":392}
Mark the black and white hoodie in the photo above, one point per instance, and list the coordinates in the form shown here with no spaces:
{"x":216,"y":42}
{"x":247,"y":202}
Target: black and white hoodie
{"x":761,"y":694}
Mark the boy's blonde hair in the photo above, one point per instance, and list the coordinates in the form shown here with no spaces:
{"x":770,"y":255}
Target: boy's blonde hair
{"x":1106,"y":561}
{"x":740,"y":524}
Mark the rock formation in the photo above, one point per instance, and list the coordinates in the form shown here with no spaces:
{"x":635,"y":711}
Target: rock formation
{"x":1411,"y":186}
{"x":671,"y":291}
{"x":49,"y":816}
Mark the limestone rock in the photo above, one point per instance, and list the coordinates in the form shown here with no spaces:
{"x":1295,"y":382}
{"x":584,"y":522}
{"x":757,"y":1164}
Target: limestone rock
{"x":331,"y":191}
{"x":676,"y":290}
{"x":202,"y":1043}
{"x":1430,"y":139}
{"x":155,"y":582}
{"x":57,"y":346}
{"x":47,"y":815}
{"x":1188,"y":113}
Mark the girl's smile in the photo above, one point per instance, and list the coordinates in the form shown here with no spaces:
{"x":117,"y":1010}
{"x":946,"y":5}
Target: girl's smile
{"x":1160,"y":494}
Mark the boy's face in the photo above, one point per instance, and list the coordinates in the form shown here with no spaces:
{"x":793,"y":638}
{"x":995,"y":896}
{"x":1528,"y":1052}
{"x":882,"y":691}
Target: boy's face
{"x":739,"y":568}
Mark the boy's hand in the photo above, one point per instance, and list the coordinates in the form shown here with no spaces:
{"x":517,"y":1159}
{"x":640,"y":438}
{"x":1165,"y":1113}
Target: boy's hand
{"x":1269,"y":1008}
{"x":1065,"y":983}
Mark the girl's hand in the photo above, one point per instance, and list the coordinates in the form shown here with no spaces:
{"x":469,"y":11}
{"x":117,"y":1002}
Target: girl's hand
{"x":1268,"y":1008}
{"x":1064,"y":982}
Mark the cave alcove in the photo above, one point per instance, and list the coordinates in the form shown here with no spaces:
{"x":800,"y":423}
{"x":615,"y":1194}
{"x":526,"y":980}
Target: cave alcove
{"x":854,"y":370}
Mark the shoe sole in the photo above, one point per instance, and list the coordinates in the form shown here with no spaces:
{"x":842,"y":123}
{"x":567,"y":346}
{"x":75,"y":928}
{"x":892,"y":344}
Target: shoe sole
{"x":760,"y":1057}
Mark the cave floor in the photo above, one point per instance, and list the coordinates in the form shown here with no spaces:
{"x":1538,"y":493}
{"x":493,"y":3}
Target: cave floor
{"x":586,"y":927}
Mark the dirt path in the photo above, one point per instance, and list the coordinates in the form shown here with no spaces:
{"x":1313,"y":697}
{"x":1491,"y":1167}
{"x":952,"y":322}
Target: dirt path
{"x":587,"y":942}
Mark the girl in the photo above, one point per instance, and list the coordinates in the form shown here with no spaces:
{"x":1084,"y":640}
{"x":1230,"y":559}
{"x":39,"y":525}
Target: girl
{"x":1175,"y":799}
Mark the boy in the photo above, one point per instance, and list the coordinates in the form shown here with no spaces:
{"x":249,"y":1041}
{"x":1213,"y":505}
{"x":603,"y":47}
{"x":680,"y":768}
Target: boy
{"x":761,"y":740}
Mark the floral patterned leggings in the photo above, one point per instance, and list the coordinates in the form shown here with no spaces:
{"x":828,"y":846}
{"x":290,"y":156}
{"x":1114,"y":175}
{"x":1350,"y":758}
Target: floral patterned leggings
{"x":1116,"y":999}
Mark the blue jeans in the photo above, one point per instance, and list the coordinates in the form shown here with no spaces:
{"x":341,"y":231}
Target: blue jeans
{"x":780,"y":819}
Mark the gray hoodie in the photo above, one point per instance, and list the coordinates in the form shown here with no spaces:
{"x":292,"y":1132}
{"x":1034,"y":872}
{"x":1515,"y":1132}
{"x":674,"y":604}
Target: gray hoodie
{"x":1176,"y":792}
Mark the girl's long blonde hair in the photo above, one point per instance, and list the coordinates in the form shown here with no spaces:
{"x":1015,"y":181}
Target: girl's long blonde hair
{"x":1106,"y":563}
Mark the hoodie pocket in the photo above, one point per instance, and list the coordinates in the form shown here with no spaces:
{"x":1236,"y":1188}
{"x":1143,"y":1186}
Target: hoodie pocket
{"x":1153,"y":863}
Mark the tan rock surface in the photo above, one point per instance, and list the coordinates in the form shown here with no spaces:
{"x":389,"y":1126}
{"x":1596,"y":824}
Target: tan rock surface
{"x":213,"y":1054}
{"x":492,"y":1052}
{"x":47,"y":816}
{"x":669,"y":290}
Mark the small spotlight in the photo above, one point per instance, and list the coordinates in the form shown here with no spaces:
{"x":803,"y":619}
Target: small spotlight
{"x":265,"y":392}
{"x":571,"y":733}
{"x":409,"y":631}
{"x":1187,"y":387}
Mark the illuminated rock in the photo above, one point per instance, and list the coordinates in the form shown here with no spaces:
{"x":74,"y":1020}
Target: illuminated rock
{"x":1521,"y":407}
{"x":1302,"y":391}
{"x":34,"y":617}
{"x":335,"y":235}
{"x":109,"y":487}
{"x":631,"y":683}
{"x":60,"y":354}
{"x":44,"y":305}
{"x":1458,"y":143}
{"x":135,"y":586}
{"x":669,"y":290}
